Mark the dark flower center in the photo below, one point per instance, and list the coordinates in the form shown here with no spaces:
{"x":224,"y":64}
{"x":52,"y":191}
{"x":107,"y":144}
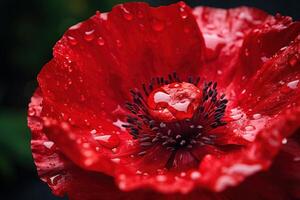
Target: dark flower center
{"x":175,"y":114}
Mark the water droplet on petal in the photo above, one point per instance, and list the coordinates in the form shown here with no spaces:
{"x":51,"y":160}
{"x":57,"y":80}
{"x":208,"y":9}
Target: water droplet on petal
{"x":237,"y":116}
{"x":53,"y":180}
{"x":116,"y":160}
{"x":293,"y":84}
{"x":31,"y":111}
{"x":195,"y":175}
{"x":284,"y":141}
{"x":89,"y":35}
{"x":293,"y":61}
{"x":158,"y":25}
{"x":72,"y":40}
{"x":257,"y":116}
{"x":126,"y":14}
{"x":48,"y":144}
{"x":161,"y":178}
{"x":119,"y":43}
{"x":138,"y":172}
{"x":183,"y":13}
{"x":296,"y":159}
{"x":100,"y":41}
{"x":109,"y":141}
{"x":249,"y":128}
{"x":76,"y":26}
{"x":114,"y":150}
{"x":246,"y":52}
{"x":239,"y":34}
{"x":142,"y":27}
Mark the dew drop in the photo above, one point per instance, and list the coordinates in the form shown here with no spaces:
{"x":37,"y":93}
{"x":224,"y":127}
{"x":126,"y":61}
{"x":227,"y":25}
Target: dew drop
{"x":182,"y":174}
{"x":237,"y":116}
{"x":249,"y":128}
{"x":293,"y":61}
{"x":119,"y":43}
{"x":161,"y":97}
{"x":142,"y":27}
{"x":296,"y":159}
{"x":183,"y":13}
{"x":76,"y":26}
{"x":88,"y":162}
{"x":158,"y":25}
{"x":161,"y":178}
{"x":239,"y":34}
{"x":109,"y":141}
{"x":72,"y":40}
{"x":53,"y":180}
{"x":182,"y":4}
{"x":100,"y":41}
{"x":257,"y":116}
{"x":284,"y":141}
{"x":293,"y":84}
{"x":126,"y":14}
{"x":89,"y":35}
{"x":138,"y":172}
{"x":195,"y":175}
{"x":48,"y":144}
{"x":114,"y":150}
{"x":31,"y":112}
{"x":246,"y":52}
{"x":116,"y":160}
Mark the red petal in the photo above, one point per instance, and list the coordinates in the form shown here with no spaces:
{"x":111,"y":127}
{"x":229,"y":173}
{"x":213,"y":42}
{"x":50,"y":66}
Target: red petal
{"x":275,"y":86}
{"x":259,"y":47}
{"x":224,"y":31}
{"x":93,"y":79}
{"x":286,"y":166}
{"x":235,"y":167}
{"x":268,"y":112}
{"x":49,"y":162}
{"x":65,"y":178}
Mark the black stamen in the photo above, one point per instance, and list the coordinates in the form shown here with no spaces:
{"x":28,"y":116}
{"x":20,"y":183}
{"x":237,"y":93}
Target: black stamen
{"x":175,"y":135}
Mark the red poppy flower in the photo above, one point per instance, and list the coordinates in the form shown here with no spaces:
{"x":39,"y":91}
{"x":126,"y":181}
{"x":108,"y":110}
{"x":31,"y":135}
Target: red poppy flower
{"x":171,"y":102}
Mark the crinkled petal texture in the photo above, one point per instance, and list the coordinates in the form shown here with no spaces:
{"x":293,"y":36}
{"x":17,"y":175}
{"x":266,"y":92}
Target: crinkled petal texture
{"x":80,"y":147}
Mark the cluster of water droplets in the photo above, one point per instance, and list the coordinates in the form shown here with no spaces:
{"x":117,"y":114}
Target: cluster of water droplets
{"x":247,"y":126}
{"x":157,"y":25}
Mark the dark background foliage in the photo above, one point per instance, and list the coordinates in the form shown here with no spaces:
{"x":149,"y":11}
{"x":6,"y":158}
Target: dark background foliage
{"x":29,"y":29}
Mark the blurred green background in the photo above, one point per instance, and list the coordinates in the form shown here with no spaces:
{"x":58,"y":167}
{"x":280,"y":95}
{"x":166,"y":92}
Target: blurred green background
{"x":29,"y":30}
